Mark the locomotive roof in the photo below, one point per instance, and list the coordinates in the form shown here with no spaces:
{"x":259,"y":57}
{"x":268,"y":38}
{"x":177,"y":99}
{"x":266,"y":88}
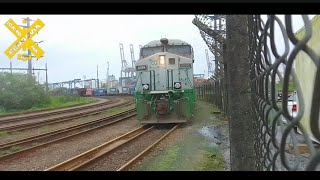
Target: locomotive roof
{"x":171,"y":41}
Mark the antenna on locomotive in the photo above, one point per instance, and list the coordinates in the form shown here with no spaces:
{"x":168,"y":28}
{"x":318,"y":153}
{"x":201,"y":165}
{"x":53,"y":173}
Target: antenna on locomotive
{"x":164,"y":42}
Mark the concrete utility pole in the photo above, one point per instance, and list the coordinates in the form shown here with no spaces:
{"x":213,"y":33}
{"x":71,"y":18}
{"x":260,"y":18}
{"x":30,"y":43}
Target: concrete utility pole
{"x":210,"y":68}
{"x":29,"y":52}
{"x":98,"y":76}
{"x":11,"y":67}
{"x":38,"y":77}
{"x":27,"y":21}
{"x":47,"y":88}
{"x":107,"y":83}
{"x":242,"y":154}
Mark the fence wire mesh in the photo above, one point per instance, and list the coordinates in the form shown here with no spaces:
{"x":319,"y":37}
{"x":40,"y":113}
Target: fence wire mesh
{"x":281,"y":136}
{"x":285,"y":77}
{"x":213,"y":31}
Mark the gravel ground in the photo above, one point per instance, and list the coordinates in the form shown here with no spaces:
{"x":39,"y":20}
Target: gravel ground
{"x":299,"y":160}
{"x":58,"y":116}
{"x":174,"y":138}
{"x":44,"y":140}
{"x":116,"y":159}
{"x":56,"y":153}
{"x":48,"y":128}
{"x":200,"y":145}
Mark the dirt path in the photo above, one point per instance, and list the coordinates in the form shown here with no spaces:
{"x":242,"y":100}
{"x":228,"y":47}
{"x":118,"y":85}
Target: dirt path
{"x":202,"y":145}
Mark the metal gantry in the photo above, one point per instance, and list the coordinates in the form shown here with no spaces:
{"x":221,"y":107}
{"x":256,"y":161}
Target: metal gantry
{"x":213,"y":31}
{"x":133,"y":61}
{"x":71,"y":84}
{"x":127,"y":71}
{"x":124,"y":64}
{"x":210,"y":65}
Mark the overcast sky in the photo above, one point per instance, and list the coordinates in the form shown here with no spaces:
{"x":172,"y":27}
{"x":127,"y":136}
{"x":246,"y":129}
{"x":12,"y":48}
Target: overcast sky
{"x":75,"y":44}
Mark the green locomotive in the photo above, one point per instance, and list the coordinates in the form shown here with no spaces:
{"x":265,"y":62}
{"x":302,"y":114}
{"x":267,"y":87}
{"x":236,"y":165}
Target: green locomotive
{"x":164,"y":86}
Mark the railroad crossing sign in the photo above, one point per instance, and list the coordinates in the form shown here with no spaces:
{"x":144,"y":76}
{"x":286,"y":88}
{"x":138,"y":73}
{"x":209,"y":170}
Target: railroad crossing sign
{"x":24,"y":40}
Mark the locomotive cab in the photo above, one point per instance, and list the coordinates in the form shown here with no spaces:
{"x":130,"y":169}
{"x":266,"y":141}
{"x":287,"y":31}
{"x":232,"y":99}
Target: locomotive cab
{"x":164,"y":88}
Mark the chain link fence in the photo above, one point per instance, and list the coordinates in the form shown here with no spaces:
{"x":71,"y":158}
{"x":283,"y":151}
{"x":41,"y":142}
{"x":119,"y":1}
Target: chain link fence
{"x":213,"y":31}
{"x":285,"y":88}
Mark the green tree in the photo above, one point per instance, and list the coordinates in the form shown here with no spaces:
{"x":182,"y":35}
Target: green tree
{"x":20,"y":91}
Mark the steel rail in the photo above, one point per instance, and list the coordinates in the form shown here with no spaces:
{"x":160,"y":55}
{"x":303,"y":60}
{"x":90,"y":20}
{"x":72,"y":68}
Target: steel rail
{"x":127,"y":114}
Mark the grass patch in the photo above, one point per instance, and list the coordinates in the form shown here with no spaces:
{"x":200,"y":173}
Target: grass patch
{"x":4,"y":134}
{"x":195,"y":151}
{"x":167,"y":162}
{"x":14,"y":149}
{"x":211,"y":161}
{"x":192,"y":154}
{"x":61,"y":101}
{"x":55,"y":102}
{"x":11,"y":150}
{"x":292,"y":87}
{"x":202,"y":111}
{"x":44,"y":129}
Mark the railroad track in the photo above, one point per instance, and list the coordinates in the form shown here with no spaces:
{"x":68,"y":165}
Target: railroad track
{"x":107,"y":149}
{"x":39,"y":113}
{"x":45,"y":120}
{"x":61,"y":134}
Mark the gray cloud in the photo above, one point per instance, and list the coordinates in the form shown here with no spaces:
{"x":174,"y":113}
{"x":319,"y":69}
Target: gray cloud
{"x":75,"y":44}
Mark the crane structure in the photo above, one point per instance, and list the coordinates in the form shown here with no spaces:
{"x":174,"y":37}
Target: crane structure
{"x":133,"y":60}
{"x":213,"y":31}
{"x":107,"y":81}
{"x":210,"y":65}
{"x":126,"y":71}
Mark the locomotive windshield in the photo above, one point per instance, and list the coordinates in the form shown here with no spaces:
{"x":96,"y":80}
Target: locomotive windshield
{"x":184,"y":50}
{"x":145,"y":52}
{"x":181,"y":50}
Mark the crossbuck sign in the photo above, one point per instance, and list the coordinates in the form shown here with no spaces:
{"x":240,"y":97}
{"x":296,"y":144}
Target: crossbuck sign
{"x":23,"y":41}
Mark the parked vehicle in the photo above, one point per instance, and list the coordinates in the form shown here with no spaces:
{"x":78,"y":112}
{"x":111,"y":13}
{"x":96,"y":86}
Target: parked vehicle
{"x":292,"y":106}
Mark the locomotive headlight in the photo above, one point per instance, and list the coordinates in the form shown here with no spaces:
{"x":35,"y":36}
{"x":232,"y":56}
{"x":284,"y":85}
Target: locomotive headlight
{"x":177,"y":85}
{"x":162,"y":60}
{"x":145,"y":86}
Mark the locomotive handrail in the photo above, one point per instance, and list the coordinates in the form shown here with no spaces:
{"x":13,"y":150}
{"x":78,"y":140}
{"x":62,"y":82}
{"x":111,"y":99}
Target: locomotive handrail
{"x":168,"y":79}
{"x":150,"y":80}
{"x":187,"y":74}
{"x":154,"y":80}
{"x":139,"y":76}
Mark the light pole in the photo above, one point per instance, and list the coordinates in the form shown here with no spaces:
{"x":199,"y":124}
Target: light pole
{"x":27,"y":21}
{"x":107,"y":83}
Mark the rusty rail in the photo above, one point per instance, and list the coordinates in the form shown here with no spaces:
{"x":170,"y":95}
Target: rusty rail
{"x":127,"y":114}
{"x":131,"y":162}
{"x":93,"y":154}
{"x":24,"y":126}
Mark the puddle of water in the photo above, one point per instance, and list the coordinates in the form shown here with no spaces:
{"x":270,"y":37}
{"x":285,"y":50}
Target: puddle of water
{"x":213,"y":145}
{"x":218,"y":140}
{"x":213,"y":134}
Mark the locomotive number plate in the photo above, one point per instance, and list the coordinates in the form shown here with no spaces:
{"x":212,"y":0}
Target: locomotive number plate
{"x":187,"y":65}
{"x":141,"y":68}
